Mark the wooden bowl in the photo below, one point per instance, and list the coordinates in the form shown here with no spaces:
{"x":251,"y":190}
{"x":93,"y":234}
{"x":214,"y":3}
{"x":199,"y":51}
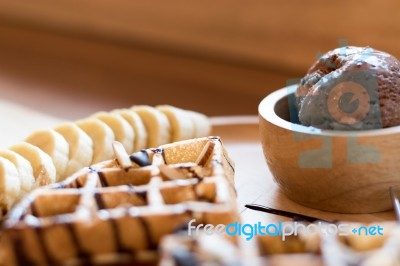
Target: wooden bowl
{"x":330,"y":170}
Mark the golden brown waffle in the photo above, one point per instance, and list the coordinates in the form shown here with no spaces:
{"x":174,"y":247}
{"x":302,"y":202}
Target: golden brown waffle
{"x":300,"y":250}
{"x":117,"y":211}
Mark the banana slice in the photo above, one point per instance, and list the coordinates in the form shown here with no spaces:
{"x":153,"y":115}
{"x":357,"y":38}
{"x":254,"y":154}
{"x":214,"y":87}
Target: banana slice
{"x":102,"y":137}
{"x":123,"y":132}
{"x":156,"y":123}
{"x":182,"y":126}
{"x":54,"y":144}
{"x":137,"y":125}
{"x":24,"y":169}
{"x":80,"y":147}
{"x":202,"y":126}
{"x":9,"y":185}
{"x":43,"y":167}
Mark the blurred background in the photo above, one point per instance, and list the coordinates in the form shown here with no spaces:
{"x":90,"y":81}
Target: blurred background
{"x":70,"y":58}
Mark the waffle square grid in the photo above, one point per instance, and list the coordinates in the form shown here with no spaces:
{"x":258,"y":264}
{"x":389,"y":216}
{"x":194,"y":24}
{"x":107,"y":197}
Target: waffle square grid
{"x":119,"y":210}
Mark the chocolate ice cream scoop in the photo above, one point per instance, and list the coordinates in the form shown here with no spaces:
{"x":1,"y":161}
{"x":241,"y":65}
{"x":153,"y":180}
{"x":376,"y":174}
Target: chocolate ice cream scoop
{"x":351,"y":88}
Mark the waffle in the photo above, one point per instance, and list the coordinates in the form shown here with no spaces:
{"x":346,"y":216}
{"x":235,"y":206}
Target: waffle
{"x":300,"y":250}
{"x":117,"y":211}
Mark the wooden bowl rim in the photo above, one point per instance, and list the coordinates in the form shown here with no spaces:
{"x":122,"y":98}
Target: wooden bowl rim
{"x":266,"y":111}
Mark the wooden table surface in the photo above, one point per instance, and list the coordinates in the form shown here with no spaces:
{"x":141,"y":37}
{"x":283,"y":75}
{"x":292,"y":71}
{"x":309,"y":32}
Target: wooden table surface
{"x":17,"y":122}
{"x":254,"y":182}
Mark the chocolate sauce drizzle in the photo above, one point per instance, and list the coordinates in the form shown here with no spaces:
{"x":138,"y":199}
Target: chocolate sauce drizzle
{"x":19,"y":250}
{"x":194,"y":173}
{"x":114,"y":225}
{"x":43,"y":246}
{"x":117,"y":237}
{"x":160,"y":151}
{"x":102,"y":179}
{"x":141,"y":158}
{"x":141,"y":194}
{"x":99,"y":201}
{"x":83,"y":255}
{"x":163,"y":156}
{"x":229,"y":162}
{"x":147,"y":232}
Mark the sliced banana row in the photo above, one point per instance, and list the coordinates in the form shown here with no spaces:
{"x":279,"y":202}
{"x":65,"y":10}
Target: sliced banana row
{"x":49,"y":156}
{"x":102,"y":137}
{"x":10,"y":185}
{"x":80,"y":147}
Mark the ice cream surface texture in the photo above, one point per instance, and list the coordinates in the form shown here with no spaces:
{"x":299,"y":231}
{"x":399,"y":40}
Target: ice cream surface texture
{"x":351,"y":88}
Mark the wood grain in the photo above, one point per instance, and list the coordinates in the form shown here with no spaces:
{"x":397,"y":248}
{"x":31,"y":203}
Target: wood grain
{"x":56,"y":72}
{"x":255,"y":184}
{"x":283,"y":33}
{"x":97,"y":55}
{"x":339,"y":171}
